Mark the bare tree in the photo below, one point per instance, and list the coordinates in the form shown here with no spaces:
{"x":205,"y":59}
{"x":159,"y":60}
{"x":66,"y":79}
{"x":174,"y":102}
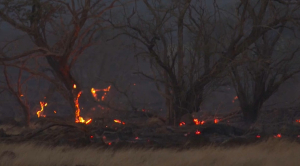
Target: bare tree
{"x":61,"y":31}
{"x":263,"y":69}
{"x":186,"y":47}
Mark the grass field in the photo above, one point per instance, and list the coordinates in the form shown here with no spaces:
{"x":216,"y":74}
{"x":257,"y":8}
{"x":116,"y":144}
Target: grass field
{"x":269,"y":153}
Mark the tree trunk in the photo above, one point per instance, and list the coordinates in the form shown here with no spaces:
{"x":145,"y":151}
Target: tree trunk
{"x":64,"y":74}
{"x":251,"y":111}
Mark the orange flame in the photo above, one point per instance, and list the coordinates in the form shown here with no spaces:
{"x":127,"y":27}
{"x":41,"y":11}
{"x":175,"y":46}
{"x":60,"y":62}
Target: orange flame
{"x":74,"y":86}
{"x":94,"y":92}
{"x":235,"y":98}
{"x":181,"y":123}
{"x":88,"y":121}
{"x":216,"y":121}
{"x":197,"y":132}
{"x":40,"y":112}
{"x":278,"y":136}
{"x":78,"y":118}
{"x":119,"y":121}
{"x":197,"y":122}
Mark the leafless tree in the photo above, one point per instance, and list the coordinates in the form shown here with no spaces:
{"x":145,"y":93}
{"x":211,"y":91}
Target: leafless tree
{"x":61,"y":31}
{"x":188,"y":45}
{"x":263,"y":69}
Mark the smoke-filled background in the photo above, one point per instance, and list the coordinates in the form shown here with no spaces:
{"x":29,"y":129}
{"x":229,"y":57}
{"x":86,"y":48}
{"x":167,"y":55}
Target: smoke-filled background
{"x":114,"y":60}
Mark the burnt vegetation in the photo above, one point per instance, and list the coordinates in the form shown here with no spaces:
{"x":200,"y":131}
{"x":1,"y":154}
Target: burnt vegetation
{"x":78,"y":71}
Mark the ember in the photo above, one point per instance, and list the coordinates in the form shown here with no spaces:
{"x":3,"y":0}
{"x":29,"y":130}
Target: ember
{"x":197,"y":132}
{"x":119,"y":121}
{"x":277,"y":136}
{"x":197,"y":122}
{"x":88,"y":121}
{"x":258,"y":136}
{"x":94,"y":92}
{"x":54,"y":111}
{"x":74,"y":86}
{"x":216,"y":121}
{"x":235,"y":98}
{"x":40,"y":112}
{"x":181,"y":123}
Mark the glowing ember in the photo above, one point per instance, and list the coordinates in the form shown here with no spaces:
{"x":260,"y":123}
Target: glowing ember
{"x":54,"y":111}
{"x":136,"y":137}
{"x":258,"y":136}
{"x":91,"y":137}
{"x":40,"y":112}
{"x":119,"y":121}
{"x":181,"y":123}
{"x":109,"y":143}
{"x":197,"y":132}
{"x":298,"y":120}
{"x":21,"y":95}
{"x":235,"y":98}
{"x":216,"y":121}
{"x":88,"y":121}
{"x":94,"y":92}
{"x":74,"y":86}
{"x":277,"y":136}
{"x":197,"y":122}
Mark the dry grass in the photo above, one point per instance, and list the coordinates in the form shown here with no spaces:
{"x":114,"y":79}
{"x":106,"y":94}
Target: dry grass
{"x":272,"y":152}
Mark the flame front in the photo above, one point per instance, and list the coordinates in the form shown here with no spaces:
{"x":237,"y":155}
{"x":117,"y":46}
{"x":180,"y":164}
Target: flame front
{"x":78,"y":118}
{"x":40,"y":112}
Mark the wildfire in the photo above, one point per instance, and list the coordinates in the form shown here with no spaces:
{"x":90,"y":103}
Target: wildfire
{"x":88,"y":121}
{"x":119,"y":121}
{"x":94,"y":92}
{"x":181,"y":123}
{"x":78,"y":118}
{"x":40,"y":112}
{"x":197,"y":122}
{"x":277,"y":136}
{"x":216,"y":121}
{"x":235,"y":98}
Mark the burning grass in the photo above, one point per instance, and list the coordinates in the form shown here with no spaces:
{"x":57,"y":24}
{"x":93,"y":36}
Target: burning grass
{"x":272,"y":152}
